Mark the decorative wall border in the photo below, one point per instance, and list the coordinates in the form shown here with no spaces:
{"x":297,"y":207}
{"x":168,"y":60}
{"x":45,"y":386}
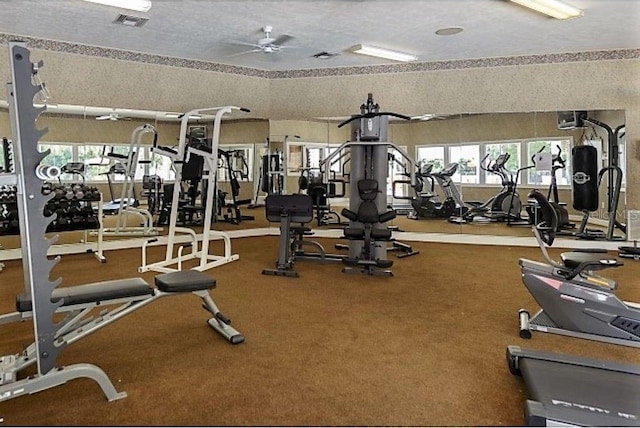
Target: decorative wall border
{"x":123,"y":55}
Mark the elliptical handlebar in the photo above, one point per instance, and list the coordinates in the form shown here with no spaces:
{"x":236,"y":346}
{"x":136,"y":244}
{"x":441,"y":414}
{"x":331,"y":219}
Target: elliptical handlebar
{"x":557,"y":161}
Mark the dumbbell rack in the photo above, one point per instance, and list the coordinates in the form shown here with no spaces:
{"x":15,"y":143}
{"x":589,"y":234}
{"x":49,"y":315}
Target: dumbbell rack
{"x":71,"y":213}
{"x":34,"y":245}
{"x":6,"y":179}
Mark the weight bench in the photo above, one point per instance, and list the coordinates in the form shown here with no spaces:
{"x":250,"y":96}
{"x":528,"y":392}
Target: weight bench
{"x":115,"y":299}
{"x":287,"y":209}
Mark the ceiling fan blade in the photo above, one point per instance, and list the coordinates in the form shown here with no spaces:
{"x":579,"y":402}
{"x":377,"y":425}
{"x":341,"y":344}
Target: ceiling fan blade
{"x":241,"y":43}
{"x":243,"y":53}
{"x":282,"y":39}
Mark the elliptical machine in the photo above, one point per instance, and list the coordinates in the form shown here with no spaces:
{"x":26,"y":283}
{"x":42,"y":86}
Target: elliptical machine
{"x":427,"y":205}
{"x":499,"y":207}
{"x":557,"y":163}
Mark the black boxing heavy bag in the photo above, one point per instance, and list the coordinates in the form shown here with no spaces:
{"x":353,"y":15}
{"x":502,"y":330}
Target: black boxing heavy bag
{"x":585,"y":178}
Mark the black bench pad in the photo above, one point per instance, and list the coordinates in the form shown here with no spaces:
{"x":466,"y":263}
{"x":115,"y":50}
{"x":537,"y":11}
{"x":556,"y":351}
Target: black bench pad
{"x":184,"y":281}
{"x":90,"y":293}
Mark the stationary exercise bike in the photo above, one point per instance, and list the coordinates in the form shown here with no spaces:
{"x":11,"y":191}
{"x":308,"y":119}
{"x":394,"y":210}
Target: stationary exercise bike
{"x":574,"y":300}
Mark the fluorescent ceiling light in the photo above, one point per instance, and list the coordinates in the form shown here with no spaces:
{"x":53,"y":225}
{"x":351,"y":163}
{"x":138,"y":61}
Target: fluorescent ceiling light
{"x":553,"y":8}
{"x":384,"y":53}
{"x":137,"y":5}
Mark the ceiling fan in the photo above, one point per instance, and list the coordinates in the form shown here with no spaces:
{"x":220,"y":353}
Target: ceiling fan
{"x":267,"y":44}
{"x":112,"y":116}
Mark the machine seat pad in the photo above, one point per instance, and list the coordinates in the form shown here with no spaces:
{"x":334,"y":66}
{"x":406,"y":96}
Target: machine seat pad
{"x":573,"y":259}
{"x":381,"y":234}
{"x":184,"y":281}
{"x":90,"y":293}
{"x":353,"y":232}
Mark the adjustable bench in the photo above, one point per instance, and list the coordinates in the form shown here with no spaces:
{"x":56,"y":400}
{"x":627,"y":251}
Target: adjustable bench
{"x":127,"y":295}
{"x":131,"y":293}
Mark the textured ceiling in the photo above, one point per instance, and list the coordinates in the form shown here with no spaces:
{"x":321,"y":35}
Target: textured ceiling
{"x":205,"y":29}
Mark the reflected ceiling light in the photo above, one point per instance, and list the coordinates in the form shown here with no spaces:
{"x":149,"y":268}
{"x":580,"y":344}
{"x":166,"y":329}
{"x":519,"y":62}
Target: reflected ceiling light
{"x":553,"y":8}
{"x":137,"y":5}
{"x":384,"y":53}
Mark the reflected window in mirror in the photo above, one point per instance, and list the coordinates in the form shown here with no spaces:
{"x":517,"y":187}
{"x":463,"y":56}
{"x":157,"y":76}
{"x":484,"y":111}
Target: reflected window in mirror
{"x":61,"y":154}
{"x":433,"y":155}
{"x":468,"y":158}
{"x":622,"y":162}
{"x":558,"y":148}
{"x":494,"y":150}
{"x":239,"y":160}
{"x":303,"y":156}
{"x":398,"y":171}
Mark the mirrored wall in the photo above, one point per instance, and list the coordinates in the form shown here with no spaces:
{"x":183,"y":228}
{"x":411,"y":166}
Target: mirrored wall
{"x":464,"y":147}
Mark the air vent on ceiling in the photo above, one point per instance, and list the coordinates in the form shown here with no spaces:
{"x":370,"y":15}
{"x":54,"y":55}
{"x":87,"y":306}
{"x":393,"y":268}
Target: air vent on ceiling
{"x":130,"y":20}
{"x":325,"y":55}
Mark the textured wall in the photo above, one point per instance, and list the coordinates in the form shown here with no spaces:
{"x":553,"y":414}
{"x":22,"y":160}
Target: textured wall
{"x":104,"y":82}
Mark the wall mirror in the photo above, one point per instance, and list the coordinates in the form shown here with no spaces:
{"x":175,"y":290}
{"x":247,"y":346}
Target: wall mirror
{"x":472,"y":141}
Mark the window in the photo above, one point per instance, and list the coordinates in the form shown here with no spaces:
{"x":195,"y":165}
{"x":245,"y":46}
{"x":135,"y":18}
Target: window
{"x":561,"y":151}
{"x":494,"y":150}
{"x":467,"y":157}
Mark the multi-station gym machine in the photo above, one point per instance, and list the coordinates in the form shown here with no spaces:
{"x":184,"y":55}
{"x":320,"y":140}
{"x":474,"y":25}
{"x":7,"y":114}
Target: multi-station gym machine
{"x":367,"y":188}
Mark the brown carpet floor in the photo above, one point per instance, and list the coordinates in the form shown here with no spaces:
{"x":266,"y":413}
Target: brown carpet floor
{"x":425,"y":347}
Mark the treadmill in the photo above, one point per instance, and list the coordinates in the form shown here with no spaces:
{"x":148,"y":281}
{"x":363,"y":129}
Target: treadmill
{"x":574,"y":391}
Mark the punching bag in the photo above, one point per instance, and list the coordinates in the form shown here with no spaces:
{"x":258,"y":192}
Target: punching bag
{"x":585,"y":178}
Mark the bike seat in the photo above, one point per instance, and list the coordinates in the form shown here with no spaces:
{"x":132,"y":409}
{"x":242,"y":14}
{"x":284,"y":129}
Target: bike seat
{"x":591,"y":261}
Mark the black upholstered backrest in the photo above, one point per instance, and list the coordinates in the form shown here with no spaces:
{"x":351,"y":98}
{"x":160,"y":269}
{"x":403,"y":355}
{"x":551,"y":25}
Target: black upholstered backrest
{"x":548,"y":224}
{"x":368,"y":212}
{"x":298,"y":207}
{"x":368,"y":189}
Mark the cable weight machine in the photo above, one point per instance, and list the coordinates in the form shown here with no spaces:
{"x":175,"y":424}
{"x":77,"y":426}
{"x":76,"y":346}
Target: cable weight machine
{"x":367,"y":212}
